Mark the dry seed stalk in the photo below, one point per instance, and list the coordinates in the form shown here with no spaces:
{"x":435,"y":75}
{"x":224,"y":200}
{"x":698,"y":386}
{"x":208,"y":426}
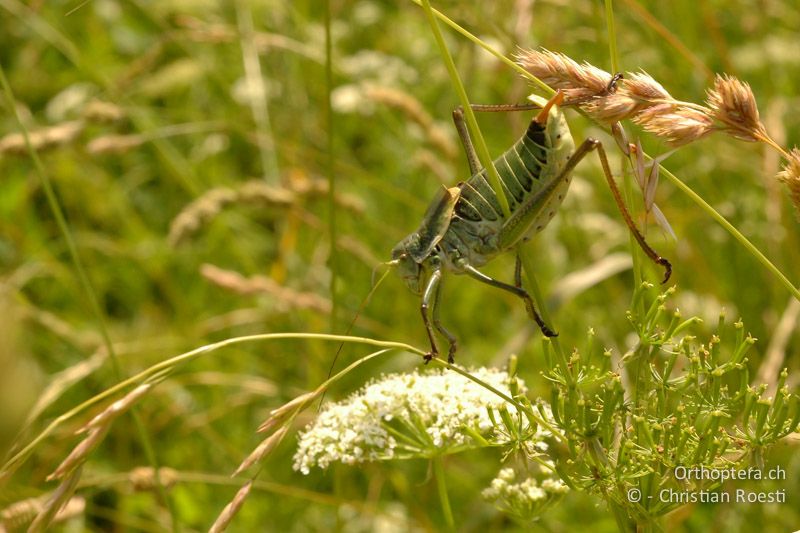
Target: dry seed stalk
{"x":790,"y":175}
{"x":284,"y":296}
{"x":58,"y":499}
{"x":730,"y":106}
{"x":42,"y":139}
{"x":143,"y":478}
{"x":202,"y":210}
{"x":19,"y":514}
{"x":229,"y":512}
{"x":262,"y":450}
{"x":96,"y":430}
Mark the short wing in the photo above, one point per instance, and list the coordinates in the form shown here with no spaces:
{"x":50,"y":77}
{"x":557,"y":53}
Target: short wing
{"x":435,"y":223}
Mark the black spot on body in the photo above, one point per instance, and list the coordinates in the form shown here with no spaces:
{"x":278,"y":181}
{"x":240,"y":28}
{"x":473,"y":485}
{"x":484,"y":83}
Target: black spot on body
{"x":536,"y":133}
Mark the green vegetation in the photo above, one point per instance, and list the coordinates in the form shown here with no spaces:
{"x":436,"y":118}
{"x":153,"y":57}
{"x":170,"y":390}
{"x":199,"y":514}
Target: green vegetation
{"x":170,"y":240}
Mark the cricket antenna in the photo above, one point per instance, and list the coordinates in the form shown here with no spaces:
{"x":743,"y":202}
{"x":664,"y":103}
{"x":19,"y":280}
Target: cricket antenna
{"x":361,"y":308}
{"x":391,"y":264}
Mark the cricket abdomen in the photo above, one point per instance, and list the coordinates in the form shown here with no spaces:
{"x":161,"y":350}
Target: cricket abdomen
{"x":526,"y":169}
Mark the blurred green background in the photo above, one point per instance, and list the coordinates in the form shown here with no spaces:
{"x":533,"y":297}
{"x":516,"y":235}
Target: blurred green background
{"x":143,"y":107}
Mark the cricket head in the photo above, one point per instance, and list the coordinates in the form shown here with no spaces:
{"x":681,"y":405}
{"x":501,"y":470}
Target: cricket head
{"x":405,"y":265}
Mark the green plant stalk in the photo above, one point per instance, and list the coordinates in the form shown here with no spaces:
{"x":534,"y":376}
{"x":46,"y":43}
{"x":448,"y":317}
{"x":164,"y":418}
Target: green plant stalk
{"x":480,"y":144}
{"x":722,"y":221}
{"x":627,"y":184}
{"x":170,"y":364}
{"x":88,"y":289}
{"x":441,"y":485}
{"x":528,"y":265}
{"x":333,"y":258}
{"x":612,"y":36}
{"x":681,"y":186}
{"x":486,"y":46}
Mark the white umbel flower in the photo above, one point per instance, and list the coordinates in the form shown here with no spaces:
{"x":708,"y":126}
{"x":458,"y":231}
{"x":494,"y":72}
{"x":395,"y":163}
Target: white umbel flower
{"x":525,"y":499}
{"x":402,"y":416}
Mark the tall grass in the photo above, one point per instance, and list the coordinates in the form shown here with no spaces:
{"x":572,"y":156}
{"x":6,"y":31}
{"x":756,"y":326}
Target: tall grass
{"x":191,"y":70}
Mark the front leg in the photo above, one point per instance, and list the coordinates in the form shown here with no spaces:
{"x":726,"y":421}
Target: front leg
{"x":451,"y":352}
{"x":430,"y":295}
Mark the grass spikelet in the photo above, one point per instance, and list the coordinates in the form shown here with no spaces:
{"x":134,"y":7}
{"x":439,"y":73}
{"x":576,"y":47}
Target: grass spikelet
{"x":100,"y":111}
{"x":289,"y":408}
{"x":202,"y":210}
{"x":790,"y":175}
{"x":114,"y":144}
{"x":229,"y":512}
{"x":79,"y":454}
{"x":733,"y":104}
{"x":678,"y":125}
{"x":42,"y":139}
{"x":285,"y":298}
{"x":19,"y":514}
{"x":255,"y":191}
{"x":645,"y":89}
{"x":637,"y":93}
{"x":262,"y":450}
{"x":116,"y":408}
{"x":578,"y":82}
{"x":96,"y":430}
{"x":198,"y":213}
{"x":58,"y":499}
{"x":144,"y":479}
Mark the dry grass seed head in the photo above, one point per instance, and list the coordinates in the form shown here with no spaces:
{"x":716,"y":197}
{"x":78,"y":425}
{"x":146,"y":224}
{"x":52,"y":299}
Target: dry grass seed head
{"x":790,"y":175}
{"x":677,"y":124}
{"x":42,"y":139}
{"x":229,"y":512}
{"x":732,"y":102}
{"x":262,"y":450}
{"x":558,"y":71}
{"x":642,"y":86}
{"x":636,"y":94}
{"x":79,"y":454}
{"x":57,"y":500}
{"x":19,"y":514}
{"x":143,"y":478}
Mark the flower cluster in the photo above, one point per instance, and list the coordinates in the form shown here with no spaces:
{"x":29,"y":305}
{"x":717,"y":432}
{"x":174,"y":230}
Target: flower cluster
{"x":525,"y":498}
{"x":406,"y":415}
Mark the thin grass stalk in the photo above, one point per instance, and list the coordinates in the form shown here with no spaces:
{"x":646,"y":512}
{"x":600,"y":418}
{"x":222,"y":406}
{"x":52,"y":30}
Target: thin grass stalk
{"x":169,"y":365}
{"x":730,"y":228}
{"x":86,"y":285}
{"x":480,"y":144}
{"x":612,"y":37}
{"x":333,"y":259}
{"x":486,"y":46}
{"x":529,"y":266}
{"x":613,"y":52}
{"x":257,"y":99}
